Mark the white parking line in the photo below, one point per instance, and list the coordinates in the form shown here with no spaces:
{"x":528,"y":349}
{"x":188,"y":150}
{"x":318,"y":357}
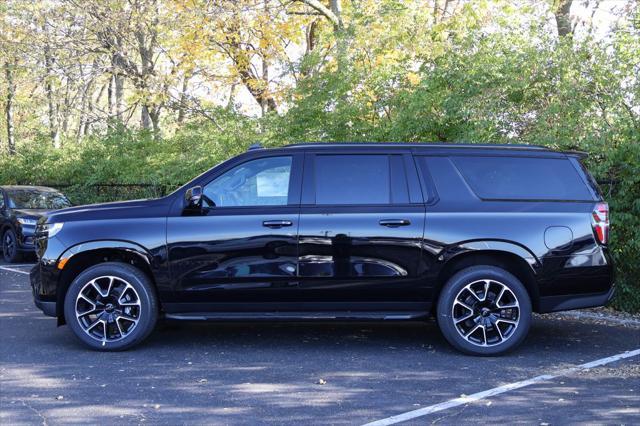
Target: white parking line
{"x":499,"y":390}
{"x":6,"y":268}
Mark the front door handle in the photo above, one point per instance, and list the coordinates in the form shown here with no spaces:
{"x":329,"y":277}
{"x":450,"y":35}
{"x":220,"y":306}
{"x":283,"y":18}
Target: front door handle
{"x":276,"y":223}
{"x":392,"y":223}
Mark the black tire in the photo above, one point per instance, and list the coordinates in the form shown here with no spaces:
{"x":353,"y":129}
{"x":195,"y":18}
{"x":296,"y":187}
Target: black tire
{"x":10,"y":251}
{"x":143,"y":292}
{"x":461,"y":287}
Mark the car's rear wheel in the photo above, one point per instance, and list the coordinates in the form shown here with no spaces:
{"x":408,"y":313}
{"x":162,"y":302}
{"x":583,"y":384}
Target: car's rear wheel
{"x":484,"y":310}
{"x":10,"y":251}
{"x":111,"y":306}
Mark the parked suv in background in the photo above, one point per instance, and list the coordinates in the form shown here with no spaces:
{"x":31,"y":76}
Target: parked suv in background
{"x":479,"y":236}
{"x":20,"y":209}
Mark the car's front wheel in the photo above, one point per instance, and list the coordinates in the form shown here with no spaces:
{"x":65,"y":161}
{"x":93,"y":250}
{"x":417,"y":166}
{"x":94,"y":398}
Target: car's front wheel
{"x":484,"y":310}
{"x":10,"y":251}
{"x":111,"y":306}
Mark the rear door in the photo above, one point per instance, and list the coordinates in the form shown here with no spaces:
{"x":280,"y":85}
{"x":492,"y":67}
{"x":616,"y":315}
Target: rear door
{"x":361,"y":227}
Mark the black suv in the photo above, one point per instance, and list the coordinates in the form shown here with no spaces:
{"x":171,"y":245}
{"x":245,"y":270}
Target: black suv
{"x":479,"y":236}
{"x":20,"y":209}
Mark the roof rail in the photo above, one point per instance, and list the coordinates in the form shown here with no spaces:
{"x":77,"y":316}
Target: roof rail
{"x":420,"y":145}
{"x":256,"y":145}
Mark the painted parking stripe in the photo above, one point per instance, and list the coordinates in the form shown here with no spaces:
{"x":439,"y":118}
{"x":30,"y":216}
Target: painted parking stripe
{"x":6,"y":268}
{"x":499,"y":390}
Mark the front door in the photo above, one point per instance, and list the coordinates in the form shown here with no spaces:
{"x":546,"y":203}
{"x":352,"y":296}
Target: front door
{"x":361,"y":228}
{"x":242,"y":247}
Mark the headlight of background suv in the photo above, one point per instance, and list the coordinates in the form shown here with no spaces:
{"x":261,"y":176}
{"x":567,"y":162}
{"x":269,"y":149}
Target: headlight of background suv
{"x":48,"y":230}
{"x":26,"y":221}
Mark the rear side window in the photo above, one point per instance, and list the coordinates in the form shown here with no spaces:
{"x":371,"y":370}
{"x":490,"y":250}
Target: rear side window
{"x":352,"y":179}
{"x":523,"y":178}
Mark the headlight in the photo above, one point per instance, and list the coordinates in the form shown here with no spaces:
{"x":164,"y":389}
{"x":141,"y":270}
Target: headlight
{"x":25,"y":221}
{"x":48,"y":230}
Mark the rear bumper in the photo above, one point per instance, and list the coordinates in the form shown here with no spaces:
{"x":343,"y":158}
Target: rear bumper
{"x":566,"y":303}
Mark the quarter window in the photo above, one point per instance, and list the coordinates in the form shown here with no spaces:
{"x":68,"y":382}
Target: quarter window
{"x":262,"y":182}
{"x":523,"y":178}
{"x":352,"y":179}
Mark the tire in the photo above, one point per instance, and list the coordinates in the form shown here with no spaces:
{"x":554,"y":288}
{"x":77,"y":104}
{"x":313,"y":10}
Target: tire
{"x":494,"y":321}
{"x":117,"y":310}
{"x":10,"y":252}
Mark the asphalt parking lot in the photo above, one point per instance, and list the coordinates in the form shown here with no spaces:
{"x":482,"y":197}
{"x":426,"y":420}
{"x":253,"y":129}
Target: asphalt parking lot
{"x":310,"y":373}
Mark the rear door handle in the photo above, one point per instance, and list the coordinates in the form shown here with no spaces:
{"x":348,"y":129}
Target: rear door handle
{"x":276,"y":223}
{"x":392,"y":223}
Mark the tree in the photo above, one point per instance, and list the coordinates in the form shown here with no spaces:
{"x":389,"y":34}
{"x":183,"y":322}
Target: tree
{"x":562,"y":16}
{"x":11,"y":92}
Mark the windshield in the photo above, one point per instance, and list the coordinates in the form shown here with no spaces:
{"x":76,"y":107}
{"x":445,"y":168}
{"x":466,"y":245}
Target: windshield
{"x":34,"y":199}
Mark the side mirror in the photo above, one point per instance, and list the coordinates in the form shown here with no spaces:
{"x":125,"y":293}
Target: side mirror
{"x":193,"y":197}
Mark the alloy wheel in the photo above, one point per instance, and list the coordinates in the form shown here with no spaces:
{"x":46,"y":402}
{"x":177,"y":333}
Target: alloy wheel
{"x":486,"y":312}
{"x":9,"y":245}
{"x":108,"y":308}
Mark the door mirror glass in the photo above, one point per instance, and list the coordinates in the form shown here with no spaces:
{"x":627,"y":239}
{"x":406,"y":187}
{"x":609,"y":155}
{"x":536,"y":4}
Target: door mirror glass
{"x":193,"y":197}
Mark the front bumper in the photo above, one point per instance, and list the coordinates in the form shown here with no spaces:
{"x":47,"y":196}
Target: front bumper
{"x":26,"y":239}
{"x":48,"y":307}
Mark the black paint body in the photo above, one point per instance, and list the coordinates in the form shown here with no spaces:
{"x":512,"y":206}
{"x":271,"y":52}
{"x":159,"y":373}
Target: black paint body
{"x":338,"y":257}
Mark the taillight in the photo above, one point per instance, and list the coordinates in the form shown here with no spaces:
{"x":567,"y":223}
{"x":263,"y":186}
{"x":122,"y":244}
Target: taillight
{"x":600,"y":222}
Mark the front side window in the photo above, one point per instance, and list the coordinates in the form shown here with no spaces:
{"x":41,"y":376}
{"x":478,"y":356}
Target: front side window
{"x":34,"y":199}
{"x":262,"y":182}
{"x":352,"y":179}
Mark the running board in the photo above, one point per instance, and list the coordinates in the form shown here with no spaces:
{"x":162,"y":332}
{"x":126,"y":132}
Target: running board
{"x":297,"y":316}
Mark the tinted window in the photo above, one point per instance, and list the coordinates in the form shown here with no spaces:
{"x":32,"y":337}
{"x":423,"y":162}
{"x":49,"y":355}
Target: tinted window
{"x":523,"y":178}
{"x":1,"y":200}
{"x":352,"y":179}
{"x":35,"y":199}
{"x":262,"y":182}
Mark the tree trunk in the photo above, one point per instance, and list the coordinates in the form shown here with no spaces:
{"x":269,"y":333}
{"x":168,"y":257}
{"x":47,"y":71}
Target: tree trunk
{"x":110,"y":98}
{"x":118,"y":80}
{"x":562,"y":13}
{"x":85,"y":109}
{"x":52,"y":108}
{"x":183,"y":98}
{"x":154,"y":115}
{"x":147,"y":35}
{"x":336,"y":8}
{"x":264,"y":105}
{"x":145,"y":117}
{"x":11,"y":92}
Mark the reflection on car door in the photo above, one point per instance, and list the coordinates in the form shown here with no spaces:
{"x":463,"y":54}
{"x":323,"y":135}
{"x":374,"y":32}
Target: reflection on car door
{"x":361,"y":226}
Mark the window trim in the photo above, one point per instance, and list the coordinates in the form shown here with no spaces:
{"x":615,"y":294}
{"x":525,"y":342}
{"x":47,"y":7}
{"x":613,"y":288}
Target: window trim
{"x":309,"y":179}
